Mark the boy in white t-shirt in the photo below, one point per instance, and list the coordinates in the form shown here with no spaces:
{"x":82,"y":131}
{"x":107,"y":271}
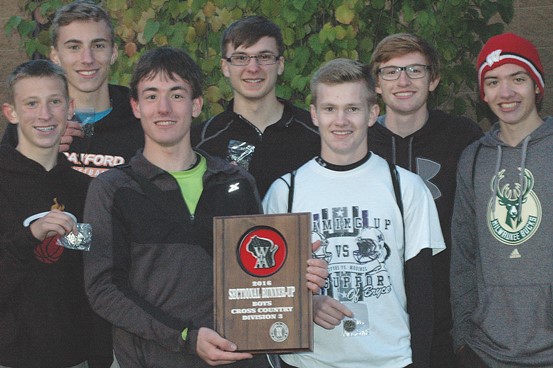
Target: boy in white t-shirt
{"x":371,"y":237}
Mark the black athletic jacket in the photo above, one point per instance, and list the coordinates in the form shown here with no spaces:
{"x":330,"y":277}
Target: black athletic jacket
{"x":281,"y":148}
{"x":432,"y":152}
{"x":151,"y":271}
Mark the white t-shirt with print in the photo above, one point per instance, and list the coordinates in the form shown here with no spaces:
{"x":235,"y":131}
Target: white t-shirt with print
{"x":356,"y":216}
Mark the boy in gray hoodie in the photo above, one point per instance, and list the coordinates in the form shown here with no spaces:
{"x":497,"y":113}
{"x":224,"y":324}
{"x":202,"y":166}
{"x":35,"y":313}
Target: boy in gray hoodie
{"x":501,"y":274}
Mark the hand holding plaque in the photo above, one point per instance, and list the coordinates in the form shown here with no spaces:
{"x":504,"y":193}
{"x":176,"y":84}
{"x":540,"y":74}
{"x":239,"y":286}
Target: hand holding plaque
{"x":262,"y":303}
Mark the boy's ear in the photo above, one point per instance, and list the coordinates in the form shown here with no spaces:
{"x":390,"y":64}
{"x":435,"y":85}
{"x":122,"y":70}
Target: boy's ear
{"x":114,"y":54}
{"x":54,"y":55}
{"x":314,"y":118}
{"x":197,"y":104}
{"x":434,"y":84}
{"x":9,"y":113}
{"x":225,"y":68}
{"x":374,"y":110}
{"x":135,"y":108}
{"x":280,"y":65}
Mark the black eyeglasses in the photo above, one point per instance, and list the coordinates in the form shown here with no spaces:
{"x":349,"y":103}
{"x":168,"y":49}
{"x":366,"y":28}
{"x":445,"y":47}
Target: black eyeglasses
{"x":262,"y":59}
{"x":415,"y":71}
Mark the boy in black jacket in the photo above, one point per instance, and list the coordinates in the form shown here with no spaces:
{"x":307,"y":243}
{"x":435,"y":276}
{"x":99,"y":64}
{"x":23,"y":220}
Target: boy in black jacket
{"x":45,"y":319}
{"x":265,"y":134}
{"x":429,"y":143}
{"x":151,"y":270}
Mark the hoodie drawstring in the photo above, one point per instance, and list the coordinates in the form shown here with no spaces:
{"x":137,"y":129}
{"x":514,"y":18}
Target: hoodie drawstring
{"x":410,"y":152}
{"x":522,"y":175}
{"x":522,"y":182}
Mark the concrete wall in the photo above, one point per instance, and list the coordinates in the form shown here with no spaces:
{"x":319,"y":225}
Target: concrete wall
{"x":533,"y":19}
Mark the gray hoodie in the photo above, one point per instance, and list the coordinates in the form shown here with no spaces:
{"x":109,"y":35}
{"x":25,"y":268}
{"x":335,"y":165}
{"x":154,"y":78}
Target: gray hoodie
{"x":502,"y":252}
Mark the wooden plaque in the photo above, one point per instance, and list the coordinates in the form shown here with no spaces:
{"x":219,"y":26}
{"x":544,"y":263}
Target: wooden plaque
{"x":262,"y":302}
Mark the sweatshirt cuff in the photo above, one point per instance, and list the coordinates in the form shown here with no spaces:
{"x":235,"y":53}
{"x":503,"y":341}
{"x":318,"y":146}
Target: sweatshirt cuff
{"x":189,"y":345}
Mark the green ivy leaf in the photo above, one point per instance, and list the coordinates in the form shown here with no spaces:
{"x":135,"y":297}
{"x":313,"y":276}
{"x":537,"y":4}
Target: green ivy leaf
{"x":26,"y":27}
{"x":422,"y":19}
{"x":115,"y":5}
{"x":288,"y":36}
{"x":344,"y":14}
{"x":299,"y":4}
{"x":340,"y":32}
{"x":408,"y":12}
{"x":179,"y":31}
{"x":330,"y":55}
{"x":315,"y":44}
{"x":12,"y":24}
{"x":157,"y":4}
{"x":302,"y":56}
{"x":150,"y":30}
{"x":366,"y":43}
{"x":324,"y":34}
{"x":313,"y":31}
{"x":506,"y":10}
{"x":270,"y":8}
{"x":289,"y":15}
{"x":284,"y":91}
{"x":378,"y":4}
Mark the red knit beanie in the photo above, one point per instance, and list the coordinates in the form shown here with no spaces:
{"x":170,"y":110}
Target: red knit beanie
{"x":508,"y":48}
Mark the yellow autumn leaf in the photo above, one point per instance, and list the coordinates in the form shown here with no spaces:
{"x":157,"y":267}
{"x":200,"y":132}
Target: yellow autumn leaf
{"x":213,"y":94}
{"x":201,"y":27}
{"x":344,"y":14}
{"x":161,"y":40}
{"x":211,"y":52}
{"x":330,"y":55}
{"x":190,"y":35}
{"x":209,"y":9}
{"x":340,"y":32}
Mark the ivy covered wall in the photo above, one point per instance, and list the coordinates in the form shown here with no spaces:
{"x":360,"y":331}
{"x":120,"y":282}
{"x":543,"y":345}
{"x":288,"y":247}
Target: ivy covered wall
{"x":314,"y":31}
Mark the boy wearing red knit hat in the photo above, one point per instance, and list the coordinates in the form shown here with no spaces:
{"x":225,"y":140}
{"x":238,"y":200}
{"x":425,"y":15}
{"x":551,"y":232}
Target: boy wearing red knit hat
{"x":501,"y":274}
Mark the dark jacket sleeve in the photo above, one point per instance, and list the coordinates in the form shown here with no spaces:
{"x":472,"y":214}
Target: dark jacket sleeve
{"x":422,"y":231}
{"x":464,"y":252}
{"x":106,"y":280}
{"x":418,"y":284}
{"x":16,"y":252}
{"x":10,"y":135}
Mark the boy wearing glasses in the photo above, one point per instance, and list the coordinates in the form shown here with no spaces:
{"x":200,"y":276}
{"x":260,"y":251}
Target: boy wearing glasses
{"x":407,"y":69}
{"x":259,"y":131}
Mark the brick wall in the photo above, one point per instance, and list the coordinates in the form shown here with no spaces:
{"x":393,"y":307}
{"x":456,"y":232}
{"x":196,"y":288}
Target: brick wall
{"x":10,"y":55}
{"x":533,"y":20}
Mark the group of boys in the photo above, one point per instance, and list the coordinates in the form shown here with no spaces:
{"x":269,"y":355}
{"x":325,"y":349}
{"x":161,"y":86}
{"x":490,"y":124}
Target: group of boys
{"x":382,"y":261}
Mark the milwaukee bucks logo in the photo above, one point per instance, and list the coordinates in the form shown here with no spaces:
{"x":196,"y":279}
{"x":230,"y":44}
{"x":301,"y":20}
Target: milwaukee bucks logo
{"x":514,"y":213}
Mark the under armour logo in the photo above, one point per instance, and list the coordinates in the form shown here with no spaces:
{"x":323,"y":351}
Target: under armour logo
{"x":233,"y":187}
{"x":427,"y":170}
{"x":493,"y":57}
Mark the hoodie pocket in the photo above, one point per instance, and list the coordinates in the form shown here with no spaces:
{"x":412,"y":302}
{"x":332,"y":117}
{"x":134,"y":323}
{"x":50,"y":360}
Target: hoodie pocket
{"x":515,"y":320}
